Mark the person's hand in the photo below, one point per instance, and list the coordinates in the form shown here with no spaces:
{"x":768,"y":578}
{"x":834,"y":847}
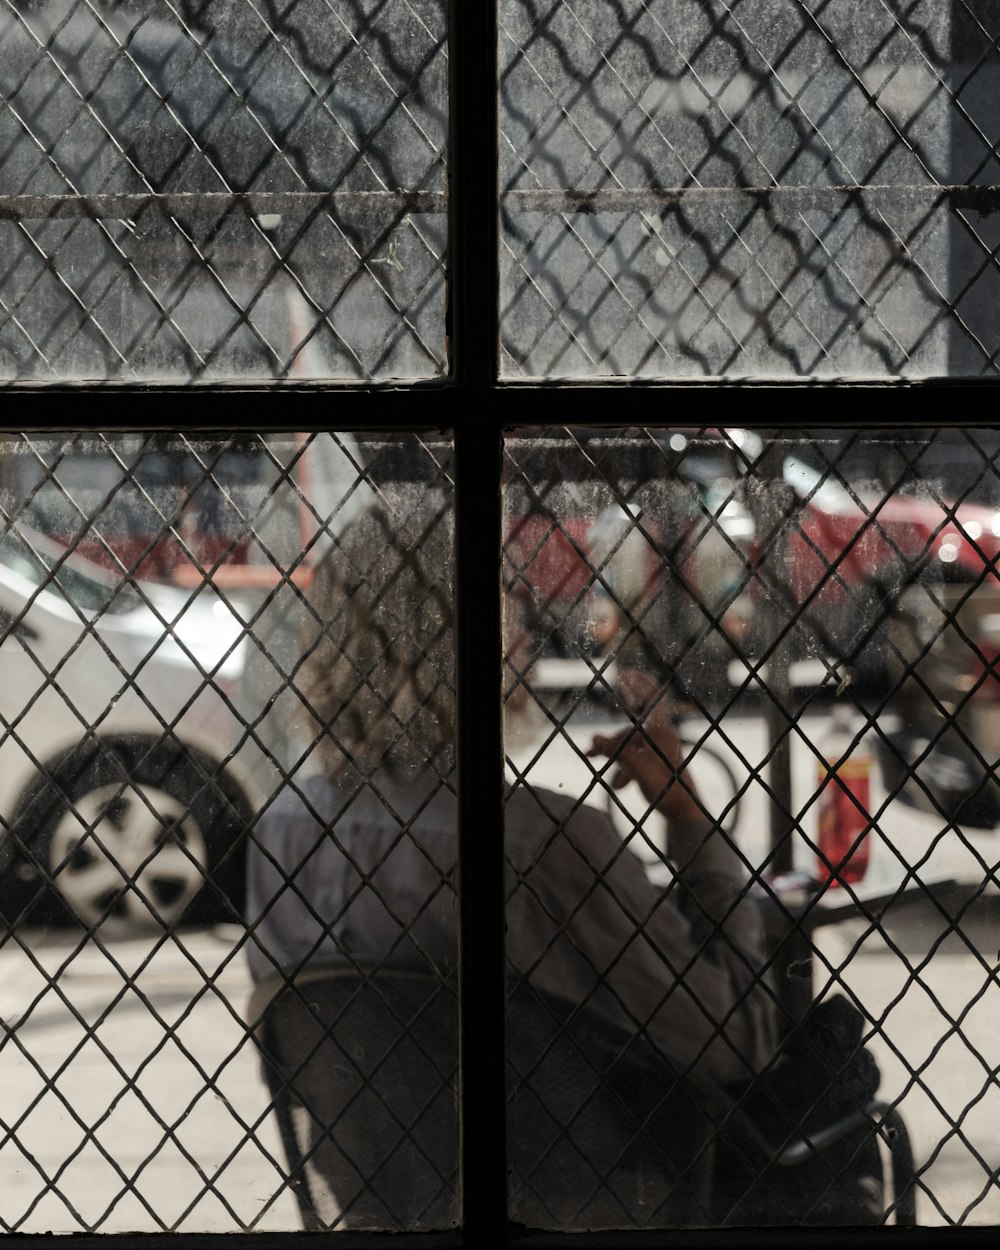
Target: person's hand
{"x":650,"y":753}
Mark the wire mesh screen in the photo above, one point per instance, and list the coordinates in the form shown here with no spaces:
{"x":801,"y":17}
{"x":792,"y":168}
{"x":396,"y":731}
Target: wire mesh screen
{"x":177,"y":701}
{"x":763,"y":188}
{"x":254,"y":191}
{"x":751,"y":829}
{"x":751,"y":823}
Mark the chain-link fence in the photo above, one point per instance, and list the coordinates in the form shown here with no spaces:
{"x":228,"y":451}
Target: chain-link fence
{"x":748,"y":679}
{"x":814,"y":616}
{"x":751,"y":817}
{"x":157,"y":598}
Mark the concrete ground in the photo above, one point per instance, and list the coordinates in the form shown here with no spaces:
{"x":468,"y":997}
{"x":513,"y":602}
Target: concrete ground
{"x":167,"y":1098}
{"x":159,"y":1120}
{"x":933,"y":1000}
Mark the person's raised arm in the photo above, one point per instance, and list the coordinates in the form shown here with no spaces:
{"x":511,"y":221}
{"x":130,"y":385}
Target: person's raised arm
{"x":725,"y":926}
{"x":651,"y":754}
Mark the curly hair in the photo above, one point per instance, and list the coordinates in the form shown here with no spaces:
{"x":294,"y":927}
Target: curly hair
{"x":378,"y":673}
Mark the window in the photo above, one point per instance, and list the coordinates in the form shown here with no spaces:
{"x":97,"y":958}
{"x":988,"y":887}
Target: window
{"x":685,"y":192}
{"x":824,"y":638}
{"x":257,"y":209}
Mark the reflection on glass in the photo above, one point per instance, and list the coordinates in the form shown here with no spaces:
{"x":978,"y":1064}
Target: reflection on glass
{"x":751,"y":758}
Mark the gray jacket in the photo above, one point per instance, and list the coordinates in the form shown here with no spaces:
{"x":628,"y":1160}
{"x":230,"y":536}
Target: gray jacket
{"x":368,"y":875}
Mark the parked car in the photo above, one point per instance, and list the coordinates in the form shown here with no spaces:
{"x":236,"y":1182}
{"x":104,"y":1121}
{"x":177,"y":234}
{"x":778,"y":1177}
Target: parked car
{"x":856,"y":546}
{"x":124,"y":798}
{"x":682,"y":547}
{"x":145,"y":721}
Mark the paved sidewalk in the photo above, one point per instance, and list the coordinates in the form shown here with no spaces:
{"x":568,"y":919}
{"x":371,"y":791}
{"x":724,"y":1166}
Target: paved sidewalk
{"x":166,"y":1098}
{"x":936,"y":999}
{"x":160,"y":1120}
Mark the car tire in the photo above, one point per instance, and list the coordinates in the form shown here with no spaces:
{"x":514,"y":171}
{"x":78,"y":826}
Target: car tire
{"x":132,"y":837}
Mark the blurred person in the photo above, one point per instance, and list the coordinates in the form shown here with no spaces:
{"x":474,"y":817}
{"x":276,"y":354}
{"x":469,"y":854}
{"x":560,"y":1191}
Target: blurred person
{"x":356,"y":864}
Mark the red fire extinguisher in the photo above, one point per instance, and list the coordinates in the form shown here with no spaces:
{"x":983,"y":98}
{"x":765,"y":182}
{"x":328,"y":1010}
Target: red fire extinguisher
{"x":844,"y":779}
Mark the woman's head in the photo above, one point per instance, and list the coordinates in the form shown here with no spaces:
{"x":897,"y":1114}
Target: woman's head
{"x":378,"y":674}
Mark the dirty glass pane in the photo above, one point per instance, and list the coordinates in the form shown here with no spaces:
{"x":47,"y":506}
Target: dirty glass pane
{"x":227,"y":191}
{"x":751,"y":826}
{"x":228,"y":832}
{"x":768,"y":188}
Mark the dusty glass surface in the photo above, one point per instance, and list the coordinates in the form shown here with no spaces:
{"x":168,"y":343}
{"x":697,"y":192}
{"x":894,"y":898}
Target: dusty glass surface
{"x":234,"y":191}
{"x":691,"y":188}
{"x":226,"y":760}
{"x":752,"y":826}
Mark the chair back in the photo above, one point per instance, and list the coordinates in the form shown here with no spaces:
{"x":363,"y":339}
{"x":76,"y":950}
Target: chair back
{"x":363,"y":1074}
{"x":601,"y":1133}
{"x":362,"y":1070}
{"x":362,"y":1066}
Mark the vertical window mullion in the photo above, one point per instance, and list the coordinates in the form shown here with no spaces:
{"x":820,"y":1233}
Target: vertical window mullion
{"x":472,"y":326}
{"x":472,"y":318}
{"x":481,"y":859}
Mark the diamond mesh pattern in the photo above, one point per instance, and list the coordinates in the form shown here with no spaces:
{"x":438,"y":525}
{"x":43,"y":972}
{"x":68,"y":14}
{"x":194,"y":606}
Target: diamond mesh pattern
{"x":156,"y":592}
{"x":255,"y":195}
{"x":763,"y":586}
{"x":761,"y":188}
{"x":229,"y":820}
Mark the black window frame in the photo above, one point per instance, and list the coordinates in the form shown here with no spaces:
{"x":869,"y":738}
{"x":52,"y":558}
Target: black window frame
{"x":474,"y":406}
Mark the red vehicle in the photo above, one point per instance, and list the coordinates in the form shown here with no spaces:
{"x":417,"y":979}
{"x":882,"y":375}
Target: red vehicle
{"x":652,"y":554}
{"x":846,"y":538}
{"x":709,"y":558}
{"x":140,"y":504}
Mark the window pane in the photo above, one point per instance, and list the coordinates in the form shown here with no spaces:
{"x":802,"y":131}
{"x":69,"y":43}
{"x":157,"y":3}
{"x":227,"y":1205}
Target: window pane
{"x":761,"y":189}
{"x":229,"y":831}
{"x":751,"y":817}
{"x":234,"y":191}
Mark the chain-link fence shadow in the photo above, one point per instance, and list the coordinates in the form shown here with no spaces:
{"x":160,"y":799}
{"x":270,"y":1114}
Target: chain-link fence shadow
{"x":256,"y":193}
{"x":765,"y":189}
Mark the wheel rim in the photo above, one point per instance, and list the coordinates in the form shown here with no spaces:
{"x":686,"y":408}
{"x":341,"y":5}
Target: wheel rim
{"x":128,"y":857}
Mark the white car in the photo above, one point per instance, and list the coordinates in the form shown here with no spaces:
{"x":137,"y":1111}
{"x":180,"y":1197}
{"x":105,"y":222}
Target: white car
{"x":123,"y":799}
